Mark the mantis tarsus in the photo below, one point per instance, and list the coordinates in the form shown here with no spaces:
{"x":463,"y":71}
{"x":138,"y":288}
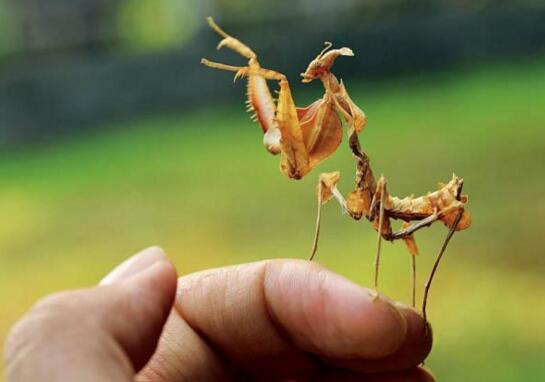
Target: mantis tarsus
{"x":305,"y":137}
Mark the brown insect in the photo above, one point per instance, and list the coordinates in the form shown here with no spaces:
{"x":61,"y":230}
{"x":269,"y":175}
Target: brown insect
{"x":305,"y":137}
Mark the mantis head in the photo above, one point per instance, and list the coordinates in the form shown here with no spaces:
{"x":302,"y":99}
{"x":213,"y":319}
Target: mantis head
{"x":322,"y":64}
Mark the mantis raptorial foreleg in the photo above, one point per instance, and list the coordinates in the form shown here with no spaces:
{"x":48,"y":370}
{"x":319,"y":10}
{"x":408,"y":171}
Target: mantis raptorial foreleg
{"x":231,"y":42}
{"x":278,"y":119}
{"x":245,"y":71}
{"x":220,"y":66}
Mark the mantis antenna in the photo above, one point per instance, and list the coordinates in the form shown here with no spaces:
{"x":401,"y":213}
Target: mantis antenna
{"x":328,"y":45}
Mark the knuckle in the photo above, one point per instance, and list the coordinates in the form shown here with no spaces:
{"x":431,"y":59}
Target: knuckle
{"x":25,"y":336}
{"x":46,"y":312}
{"x":54,"y":302}
{"x":37,"y":327}
{"x":45,"y":317}
{"x":15,"y":338}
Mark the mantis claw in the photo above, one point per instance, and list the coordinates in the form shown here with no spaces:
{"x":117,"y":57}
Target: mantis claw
{"x":241,"y":74}
{"x":225,"y":42}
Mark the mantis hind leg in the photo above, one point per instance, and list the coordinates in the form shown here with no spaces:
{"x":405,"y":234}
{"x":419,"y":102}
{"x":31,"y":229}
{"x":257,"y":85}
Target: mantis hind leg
{"x":383,"y":228}
{"x":379,"y":240}
{"x":410,"y":242}
{"x":413,"y":267}
{"x":437,"y":261}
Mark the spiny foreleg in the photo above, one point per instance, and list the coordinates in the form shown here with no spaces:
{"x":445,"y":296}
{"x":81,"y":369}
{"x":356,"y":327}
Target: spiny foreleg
{"x":241,"y":71}
{"x":259,"y":98}
{"x":231,"y":42}
{"x":278,"y":121}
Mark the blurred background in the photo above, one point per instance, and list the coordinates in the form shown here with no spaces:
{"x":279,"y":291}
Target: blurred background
{"x":114,"y":138}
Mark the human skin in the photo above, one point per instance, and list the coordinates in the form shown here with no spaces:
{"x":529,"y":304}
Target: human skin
{"x":277,"y":320}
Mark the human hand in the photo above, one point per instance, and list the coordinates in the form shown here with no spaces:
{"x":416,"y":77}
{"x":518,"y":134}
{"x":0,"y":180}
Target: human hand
{"x":276,"y":320}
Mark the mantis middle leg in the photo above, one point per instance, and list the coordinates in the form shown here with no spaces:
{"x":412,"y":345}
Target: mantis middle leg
{"x":381,"y":192}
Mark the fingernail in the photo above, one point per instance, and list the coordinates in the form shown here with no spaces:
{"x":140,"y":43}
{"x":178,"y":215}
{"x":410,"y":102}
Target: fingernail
{"x":134,"y":265}
{"x":402,"y":306}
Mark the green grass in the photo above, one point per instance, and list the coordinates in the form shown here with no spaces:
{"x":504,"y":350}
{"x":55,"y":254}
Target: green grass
{"x":201,"y":185}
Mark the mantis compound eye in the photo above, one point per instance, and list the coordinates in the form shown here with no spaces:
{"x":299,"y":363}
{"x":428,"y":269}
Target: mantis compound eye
{"x":313,"y":71}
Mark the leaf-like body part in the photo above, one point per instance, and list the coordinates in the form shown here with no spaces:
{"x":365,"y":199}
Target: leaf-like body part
{"x":327,"y":183}
{"x":261,"y":102}
{"x":322,"y":130}
{"x":358,"y":203}
{"x":294,"y":161}
{"x":410,"y":242}
{"x":359,"y":119}
{"x":450,"y":218}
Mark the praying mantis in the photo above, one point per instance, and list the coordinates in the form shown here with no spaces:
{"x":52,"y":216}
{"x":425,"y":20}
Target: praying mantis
{"x":305,"y":137}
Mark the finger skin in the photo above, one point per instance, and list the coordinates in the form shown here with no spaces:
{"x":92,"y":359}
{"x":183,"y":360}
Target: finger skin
{"x":329,"y":315}
{"x":182,"y":355}
{"x":98,"y":334}
{"x":134,"y":265}
{"x":227,"y":307}
{"x":138,"y":321}
{"x":284,"y":318}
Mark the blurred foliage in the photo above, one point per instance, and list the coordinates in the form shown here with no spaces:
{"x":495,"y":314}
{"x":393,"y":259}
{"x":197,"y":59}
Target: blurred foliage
{"x":256,"y":10}
{"x":8,"y":31}
{"x":154,"y":24}
{"x":149,"y":25}
{"x":70,"y":66}
{"x":201,"y":185}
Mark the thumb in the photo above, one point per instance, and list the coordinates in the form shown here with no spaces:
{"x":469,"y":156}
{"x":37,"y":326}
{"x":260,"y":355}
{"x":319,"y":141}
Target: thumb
{"x":98,"y":334}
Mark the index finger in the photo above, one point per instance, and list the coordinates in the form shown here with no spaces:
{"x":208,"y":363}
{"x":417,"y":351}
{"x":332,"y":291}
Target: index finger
{"x":289,"y":316}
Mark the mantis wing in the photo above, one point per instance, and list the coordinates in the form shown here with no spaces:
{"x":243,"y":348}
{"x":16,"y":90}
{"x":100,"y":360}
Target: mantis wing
{"x":358,"y":117}
{"x":294,"y":161}
{"x":322,"y":130}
